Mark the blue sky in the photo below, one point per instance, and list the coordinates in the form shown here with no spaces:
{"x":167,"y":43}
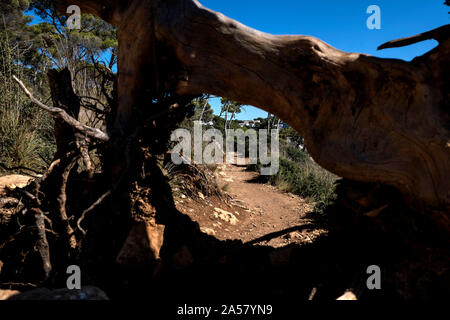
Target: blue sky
{"x":341,"y":23}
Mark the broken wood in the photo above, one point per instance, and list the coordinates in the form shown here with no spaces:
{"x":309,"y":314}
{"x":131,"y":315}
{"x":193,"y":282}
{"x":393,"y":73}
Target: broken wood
{"x":92,"y":207}
{"x":439,"y":34}
{"x":64,"y":98}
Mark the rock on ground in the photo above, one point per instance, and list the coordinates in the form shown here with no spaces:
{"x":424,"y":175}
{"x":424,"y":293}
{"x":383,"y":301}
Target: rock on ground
{"x":85,"y":293}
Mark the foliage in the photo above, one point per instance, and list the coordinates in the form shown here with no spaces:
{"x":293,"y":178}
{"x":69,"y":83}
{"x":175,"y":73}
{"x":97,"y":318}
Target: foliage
{"x":294,"y":137}
{"x":229,"y":106}
{"x":300,"y":175}
{"x":29,"y":51}
{"x":25,"y":131}
{"x":202,"y":112}
{"x":306,"y":179}
{"x":12,"y":19}
{"x":295,"y":154}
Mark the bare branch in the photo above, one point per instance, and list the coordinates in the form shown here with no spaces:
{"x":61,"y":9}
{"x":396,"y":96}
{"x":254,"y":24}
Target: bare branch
{"x":50,"y":169}
{"x":62,"y":199}
{"x":83,"y":146}
{"x":42,"y":243}
{"x":92,"y":207}
{"x":440,"y":34}
{"x":61,"y":114}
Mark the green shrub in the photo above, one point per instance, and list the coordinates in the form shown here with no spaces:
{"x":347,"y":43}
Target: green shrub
{"x":26,"y":137}
{"x":306,"y":179}
{"x":294,"y":154}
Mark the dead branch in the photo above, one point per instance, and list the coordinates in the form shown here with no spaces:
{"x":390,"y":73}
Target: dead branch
{"x":83,"y":146}
{"x":92,"y":207}
{"x":439,"y":34}
{"x":42,"y":243}
{"x":50,"y":223}
{"x":63,"y":115}
{"x":62,"y":199}
{"x":26,"y":193}
{"x":50,"y":169}
{"x":43,"y":178}
{"x":312,"y":294}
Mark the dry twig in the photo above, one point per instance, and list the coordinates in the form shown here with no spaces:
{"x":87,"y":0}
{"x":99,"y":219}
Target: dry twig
{"x":92,"y":207}
{"x":61,"y":114}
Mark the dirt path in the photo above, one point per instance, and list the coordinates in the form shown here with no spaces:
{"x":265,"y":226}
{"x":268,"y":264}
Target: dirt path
{"x":258,"y":212}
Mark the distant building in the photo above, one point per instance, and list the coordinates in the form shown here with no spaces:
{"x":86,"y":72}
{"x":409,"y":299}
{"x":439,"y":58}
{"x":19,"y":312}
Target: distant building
{"x":245,"y":123}
{"x":249,"y":123}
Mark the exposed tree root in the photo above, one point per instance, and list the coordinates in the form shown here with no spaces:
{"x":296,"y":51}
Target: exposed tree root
{"x":92,"y":207}
{"x":42,"y":243}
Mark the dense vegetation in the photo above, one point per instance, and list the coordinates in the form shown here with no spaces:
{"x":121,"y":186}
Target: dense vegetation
{"x":26,"y":138}
{"x":29,"y":50}
{"x":299,"y":174}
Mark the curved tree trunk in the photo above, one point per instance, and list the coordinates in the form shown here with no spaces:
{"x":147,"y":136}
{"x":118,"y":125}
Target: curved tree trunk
{"x":364,"y":118}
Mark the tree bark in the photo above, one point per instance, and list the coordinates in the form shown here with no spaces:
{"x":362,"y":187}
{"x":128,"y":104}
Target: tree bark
{"x":364,"y":118}
{"x":63,"y":97}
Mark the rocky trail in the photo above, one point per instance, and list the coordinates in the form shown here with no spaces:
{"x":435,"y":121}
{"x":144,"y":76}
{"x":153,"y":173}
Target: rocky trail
{"x":257,"y":213}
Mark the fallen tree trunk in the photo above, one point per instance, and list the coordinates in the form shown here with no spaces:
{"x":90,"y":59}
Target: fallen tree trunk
{"x":364,"y":118}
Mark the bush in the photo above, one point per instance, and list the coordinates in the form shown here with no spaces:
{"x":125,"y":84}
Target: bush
{"x":294,"y":154}
{"x":26,"y":137}
{"x":306,"y":179}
